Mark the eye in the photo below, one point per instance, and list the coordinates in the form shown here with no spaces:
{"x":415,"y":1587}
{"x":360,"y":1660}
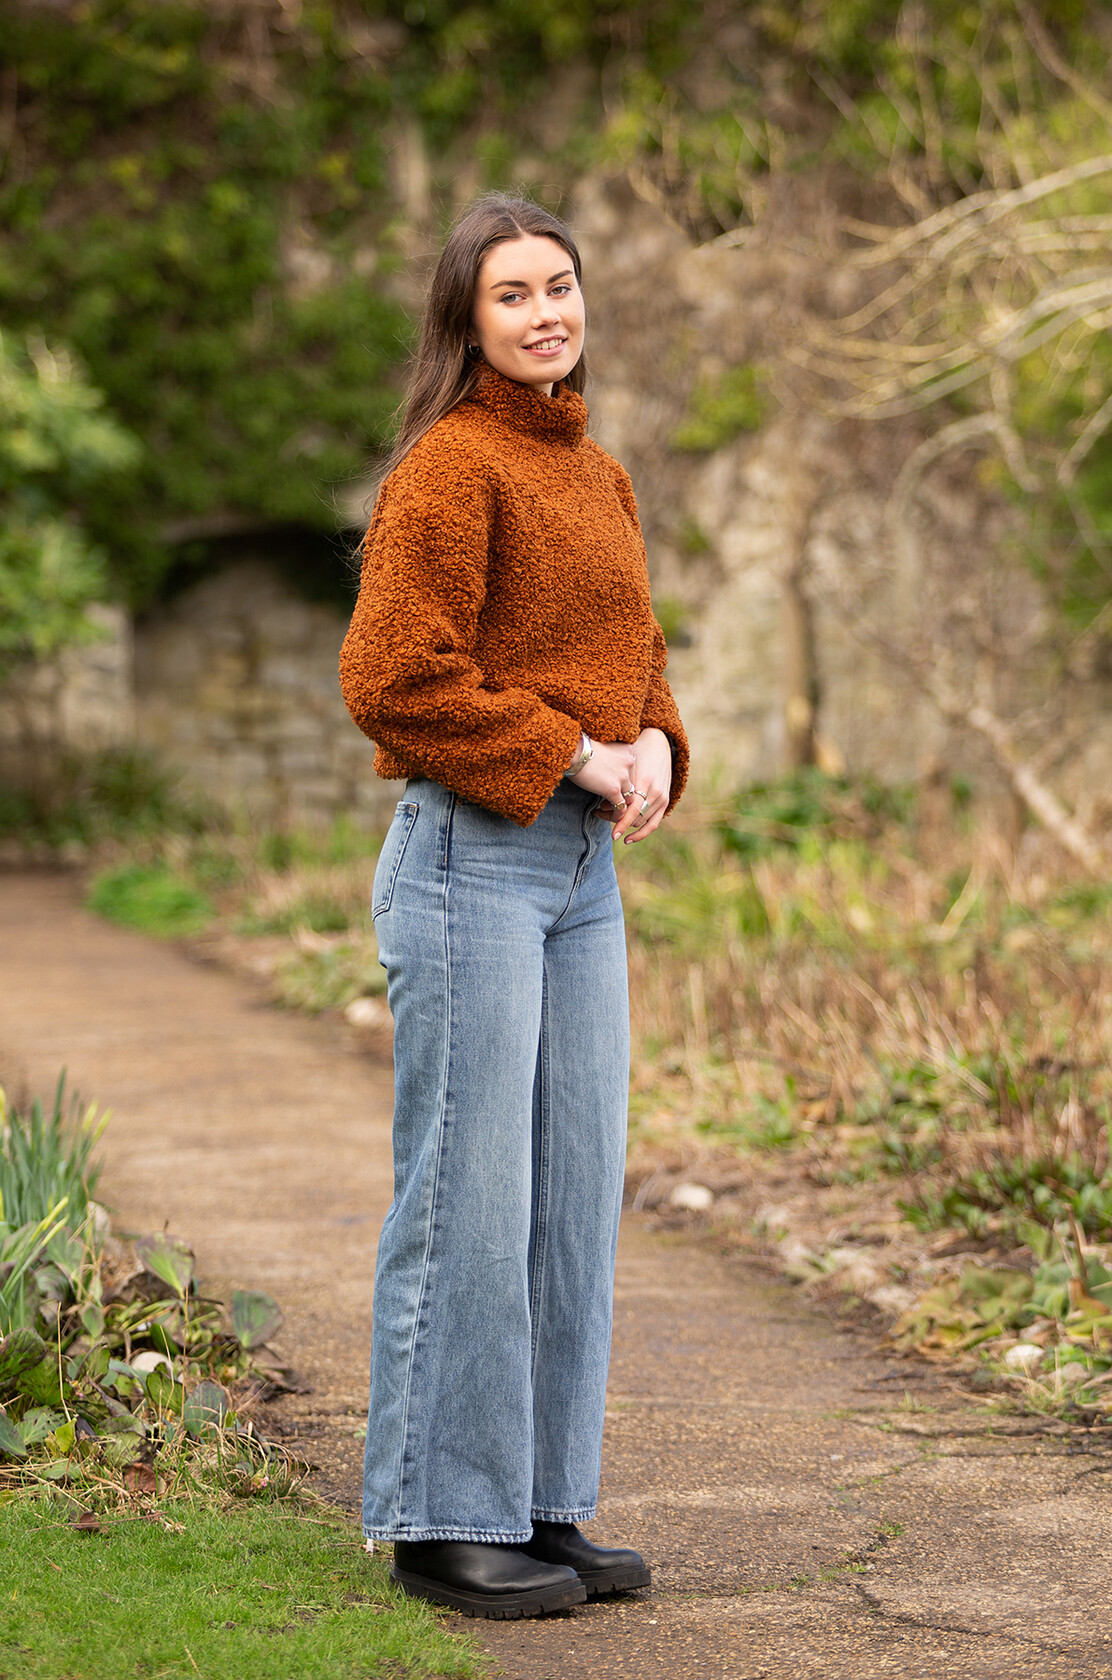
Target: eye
{"x":561,"y":290}
{"x":510,"y":297}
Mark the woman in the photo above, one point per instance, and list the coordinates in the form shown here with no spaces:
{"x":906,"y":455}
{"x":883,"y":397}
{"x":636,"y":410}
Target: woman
{"x":504,"y":657}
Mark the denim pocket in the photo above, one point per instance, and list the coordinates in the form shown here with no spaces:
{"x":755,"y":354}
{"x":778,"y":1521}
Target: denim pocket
{"x":390,"y":857}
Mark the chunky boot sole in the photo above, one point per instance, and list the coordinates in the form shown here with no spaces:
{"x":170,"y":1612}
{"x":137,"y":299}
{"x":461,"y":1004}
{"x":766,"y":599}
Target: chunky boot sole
{"x":604,"y":1583}
{"x":502,"y":1607}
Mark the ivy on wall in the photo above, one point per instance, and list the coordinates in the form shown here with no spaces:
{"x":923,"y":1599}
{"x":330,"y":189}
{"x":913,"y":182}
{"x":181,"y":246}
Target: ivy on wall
{"x":204,"y":198}
{"x":198,"y":198}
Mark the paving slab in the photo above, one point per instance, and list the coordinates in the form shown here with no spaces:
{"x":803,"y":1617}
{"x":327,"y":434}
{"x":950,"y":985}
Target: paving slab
{"x":810,"y":1508}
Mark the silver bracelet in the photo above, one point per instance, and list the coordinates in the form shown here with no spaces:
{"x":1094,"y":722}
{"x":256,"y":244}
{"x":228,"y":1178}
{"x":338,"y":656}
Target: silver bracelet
{"x":585,"y":756}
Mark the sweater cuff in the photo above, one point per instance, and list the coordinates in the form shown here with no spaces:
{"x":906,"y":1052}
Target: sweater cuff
{"x":543,"y":764}
{"x":681,"y":755}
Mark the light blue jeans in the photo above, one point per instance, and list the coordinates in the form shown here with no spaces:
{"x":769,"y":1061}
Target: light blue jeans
{"x":505,"y":952}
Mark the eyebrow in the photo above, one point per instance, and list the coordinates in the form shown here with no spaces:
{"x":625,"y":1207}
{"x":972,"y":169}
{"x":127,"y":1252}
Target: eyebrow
{"x":500,"y":285}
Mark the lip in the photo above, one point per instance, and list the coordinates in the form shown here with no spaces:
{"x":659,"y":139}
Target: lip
{"x":535,"y":350}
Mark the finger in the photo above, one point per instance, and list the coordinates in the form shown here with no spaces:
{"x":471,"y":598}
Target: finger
{"x":627,"y":819}
{"x":646,"y":823}
{"x":638,"y":813}
{"x":650,"y":827}
{"x":628,"y":812}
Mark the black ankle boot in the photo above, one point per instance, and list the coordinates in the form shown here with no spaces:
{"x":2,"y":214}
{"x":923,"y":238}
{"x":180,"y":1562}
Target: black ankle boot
{"x":484,"y":1580}
{"x":602,"y":1569}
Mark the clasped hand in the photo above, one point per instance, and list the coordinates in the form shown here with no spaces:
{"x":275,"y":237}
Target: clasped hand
{"x":634,"y":780}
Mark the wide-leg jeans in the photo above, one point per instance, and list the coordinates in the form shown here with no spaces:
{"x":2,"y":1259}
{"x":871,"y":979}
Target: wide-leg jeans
{"x":505,"y":953}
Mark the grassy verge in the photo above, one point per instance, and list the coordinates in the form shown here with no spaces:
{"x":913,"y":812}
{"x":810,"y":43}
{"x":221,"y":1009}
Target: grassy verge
{"x":872,"y":1043}
{"x":254,"y":1592}
{"x":146,"y":1527}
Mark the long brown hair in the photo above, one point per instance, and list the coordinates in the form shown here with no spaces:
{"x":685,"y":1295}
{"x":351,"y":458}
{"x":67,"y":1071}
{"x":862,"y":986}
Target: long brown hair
{"x":444,"y":370}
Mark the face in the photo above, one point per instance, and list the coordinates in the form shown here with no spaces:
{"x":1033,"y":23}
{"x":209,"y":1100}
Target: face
{"x":528,"y":316}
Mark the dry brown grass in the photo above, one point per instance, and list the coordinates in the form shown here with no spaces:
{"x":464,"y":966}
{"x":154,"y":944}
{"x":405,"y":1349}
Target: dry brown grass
{"x":881,"y":1049}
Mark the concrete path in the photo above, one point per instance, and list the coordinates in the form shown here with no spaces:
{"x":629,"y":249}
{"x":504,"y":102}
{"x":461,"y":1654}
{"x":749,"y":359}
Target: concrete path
{"x":810,"y":1509}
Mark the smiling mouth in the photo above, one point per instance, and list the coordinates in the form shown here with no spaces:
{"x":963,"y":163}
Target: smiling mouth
{"x":545,"y":346}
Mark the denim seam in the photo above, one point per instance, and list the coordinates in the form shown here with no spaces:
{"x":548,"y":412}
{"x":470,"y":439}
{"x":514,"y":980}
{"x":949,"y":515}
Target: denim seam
{"x":492,"y":1536}
{"x":577,"y":1514}
{"x":410,"y":809}
{"x":580,"y":868}
{"x":420,"y":1314}
{"x":542,"y":1169}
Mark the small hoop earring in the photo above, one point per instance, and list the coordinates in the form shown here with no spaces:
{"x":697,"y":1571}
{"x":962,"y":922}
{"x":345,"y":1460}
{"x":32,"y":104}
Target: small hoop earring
{"x":472,"y":348}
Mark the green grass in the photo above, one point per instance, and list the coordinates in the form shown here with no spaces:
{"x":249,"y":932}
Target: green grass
{"x":253,"y":1593}
{"x":151,"y":897}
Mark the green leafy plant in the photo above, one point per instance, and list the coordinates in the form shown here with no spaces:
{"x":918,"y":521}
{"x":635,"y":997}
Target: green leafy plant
{"x":1008,"y":1195}
{"x":108,"y":1356}
{"x":1058,"y":1316}
{"x":151,"y":897}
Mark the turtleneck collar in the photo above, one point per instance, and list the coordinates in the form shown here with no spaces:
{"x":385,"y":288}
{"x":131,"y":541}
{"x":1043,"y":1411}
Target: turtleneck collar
{"x":562,"y":417}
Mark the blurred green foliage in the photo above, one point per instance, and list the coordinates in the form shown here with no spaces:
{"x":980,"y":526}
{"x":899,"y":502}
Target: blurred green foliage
{"x":56,"y":446}
{"x":152,"y":897}
{"x":201,"y":204}
{"x":208,"y":205}
{"x":123,"y":792}
{"x":160,"y":175}
{"x":1010,"y":1194}
{"x":822,"y":82}
{"x":806,"y":804}
{"x":720,"y":410}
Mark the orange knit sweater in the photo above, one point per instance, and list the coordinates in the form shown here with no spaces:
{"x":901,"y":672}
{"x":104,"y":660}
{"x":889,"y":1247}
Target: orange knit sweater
{"x":504,"y":606}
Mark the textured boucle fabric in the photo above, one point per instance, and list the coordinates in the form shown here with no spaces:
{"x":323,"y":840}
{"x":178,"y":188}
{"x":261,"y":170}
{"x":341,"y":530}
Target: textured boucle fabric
{"x":504,"y":605}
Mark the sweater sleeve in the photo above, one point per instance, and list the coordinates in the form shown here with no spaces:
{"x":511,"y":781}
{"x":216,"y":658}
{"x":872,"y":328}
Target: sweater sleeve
{"x":407,"y":669}
{"x":660,"y":712}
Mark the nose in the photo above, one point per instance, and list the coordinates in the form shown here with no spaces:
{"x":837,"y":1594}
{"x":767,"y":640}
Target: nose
{"x":545,"y":311}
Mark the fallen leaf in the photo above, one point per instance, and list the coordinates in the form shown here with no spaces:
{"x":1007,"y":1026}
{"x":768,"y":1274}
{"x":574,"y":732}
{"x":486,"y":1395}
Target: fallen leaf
{"x":140,"y":1478}
{"x":87,"y":1523}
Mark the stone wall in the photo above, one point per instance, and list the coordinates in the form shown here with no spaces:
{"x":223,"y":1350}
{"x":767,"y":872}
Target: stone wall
{"x":236,"y":684}
{"x":725,"y":530}
{"x":234,"y":680}
{"x":80,"y":703}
